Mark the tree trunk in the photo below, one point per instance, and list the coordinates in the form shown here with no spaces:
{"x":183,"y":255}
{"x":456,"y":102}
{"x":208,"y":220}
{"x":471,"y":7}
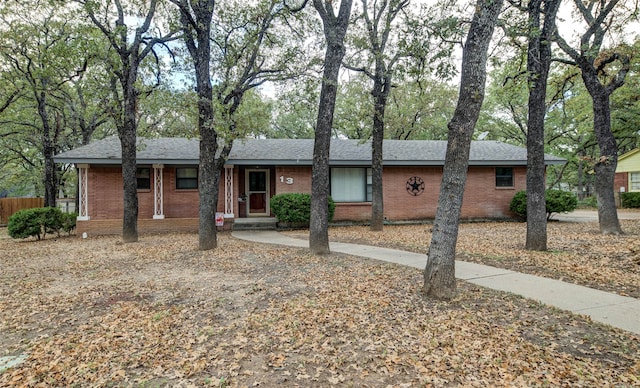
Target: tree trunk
{"x":199,"y":47}
{"x":319,"y":223}
{"x":593,"y":61}
{"x":605,"y":167}
{"x":208,"y":177}
{"x":128,"y":141}
{"x":49,"y":178}
{"x":380,"y":95}
{"x":335,"y":29}
{"x":128,"y":48}
{"x":538,"y":62}
{"x":581,"y":186}
{"x":130,"y":187}
{"x":439,"y":274}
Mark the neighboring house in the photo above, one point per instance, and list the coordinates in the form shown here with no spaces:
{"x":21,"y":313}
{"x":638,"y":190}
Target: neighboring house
{"x":627,"y":176}
{"x":257,"y":169}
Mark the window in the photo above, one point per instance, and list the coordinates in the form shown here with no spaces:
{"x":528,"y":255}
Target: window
{"x":187,"y":178}
{"x":143,"y":176}
{"x":504,"y":177}
{"x":351,"y":184}
{"x":634,"y":181}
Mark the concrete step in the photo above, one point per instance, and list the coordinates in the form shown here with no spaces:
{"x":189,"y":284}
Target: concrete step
{"x":255,"y":223}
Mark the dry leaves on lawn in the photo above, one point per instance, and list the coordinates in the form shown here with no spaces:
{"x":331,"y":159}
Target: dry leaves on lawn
{"x":577,"y":252}
{"x":99,"y":313}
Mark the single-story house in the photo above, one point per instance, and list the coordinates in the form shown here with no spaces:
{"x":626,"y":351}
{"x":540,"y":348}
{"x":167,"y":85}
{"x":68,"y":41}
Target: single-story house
{"x":257,"y":169}
{"x":627,"y":178}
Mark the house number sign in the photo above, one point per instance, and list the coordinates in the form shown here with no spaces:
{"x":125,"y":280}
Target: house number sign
{"x":415,"y":186}
{"x":288,"y":180}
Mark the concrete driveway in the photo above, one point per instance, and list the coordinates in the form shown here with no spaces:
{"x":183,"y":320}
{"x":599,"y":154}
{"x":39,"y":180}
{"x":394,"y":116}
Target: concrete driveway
{"x":588,"y":215}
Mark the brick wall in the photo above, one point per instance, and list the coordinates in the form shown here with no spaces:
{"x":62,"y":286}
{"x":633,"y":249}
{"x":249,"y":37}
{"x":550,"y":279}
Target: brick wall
{"x":481,"y":199}
{"x":108,"y":227}
{"x":298,"y":176}
{"x":180,"y":203}
{"x":621,"y":180}
{"x":105,"y":196}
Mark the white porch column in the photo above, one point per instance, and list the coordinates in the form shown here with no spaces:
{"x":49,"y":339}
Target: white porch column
{"x":83,"y":192}
{"x":158,"y":192}
{"x":228,"y":192}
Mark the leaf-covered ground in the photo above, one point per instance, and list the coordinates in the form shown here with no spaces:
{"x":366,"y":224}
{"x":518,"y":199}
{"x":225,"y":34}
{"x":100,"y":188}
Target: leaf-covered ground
{"x":97,"y":312}
{"x":577,"y":252}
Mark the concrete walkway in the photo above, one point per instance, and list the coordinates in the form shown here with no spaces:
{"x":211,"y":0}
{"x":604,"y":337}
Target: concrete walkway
{"x":591,"y":215}
{"x":618,"y":311}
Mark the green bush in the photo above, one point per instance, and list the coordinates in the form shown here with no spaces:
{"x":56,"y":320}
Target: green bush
{"x":51,"y":220}
{"x":518,"y":204}
{"x":38,"y":222}
{"x":69,"y":222}
{"x":589,"y":202}
{"x":25,"y":223}
{"x":557,"y":201}
{"x":631,"y":200}
{"x":295,"y":207}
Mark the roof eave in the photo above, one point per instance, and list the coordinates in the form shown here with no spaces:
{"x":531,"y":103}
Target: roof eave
{"x":97,"y":161}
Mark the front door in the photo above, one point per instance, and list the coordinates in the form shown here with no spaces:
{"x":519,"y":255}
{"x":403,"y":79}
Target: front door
{"x":257,"y":184}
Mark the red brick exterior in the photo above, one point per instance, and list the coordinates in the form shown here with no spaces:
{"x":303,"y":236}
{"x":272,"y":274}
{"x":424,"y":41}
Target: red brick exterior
{"x":621,"y":180}
{"x":481,"y":199}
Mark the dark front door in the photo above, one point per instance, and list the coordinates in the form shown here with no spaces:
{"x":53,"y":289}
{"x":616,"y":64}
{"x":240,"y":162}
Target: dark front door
{"x":257,"y":184}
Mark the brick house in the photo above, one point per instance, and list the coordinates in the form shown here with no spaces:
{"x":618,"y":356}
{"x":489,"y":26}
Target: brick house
{"x":257,"y":169}
{"x":627,"y":178}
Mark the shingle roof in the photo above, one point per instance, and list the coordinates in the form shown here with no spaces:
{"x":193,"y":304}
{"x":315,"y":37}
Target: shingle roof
{"x":300,"y":152}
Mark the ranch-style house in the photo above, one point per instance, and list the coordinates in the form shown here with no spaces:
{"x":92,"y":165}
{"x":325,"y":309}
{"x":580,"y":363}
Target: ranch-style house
{"x":257,"y":169}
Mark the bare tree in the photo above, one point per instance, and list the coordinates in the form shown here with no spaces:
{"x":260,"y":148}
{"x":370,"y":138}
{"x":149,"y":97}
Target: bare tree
{"x":131,"y":50}
{"x":42,"y":60}
{"x":378,"y":19}
{"x":393,"y":37}
{"x":538,"y":63}
{"x":240,"y":64}
{"x":196,"y":17}
{"x":439,"y":274}
{"x":335,"y":29}
{"x":603,"y":71}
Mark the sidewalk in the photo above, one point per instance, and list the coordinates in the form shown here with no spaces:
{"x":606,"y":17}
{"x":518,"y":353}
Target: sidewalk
{"x":591,"y":215}
{"x":615,"y":310}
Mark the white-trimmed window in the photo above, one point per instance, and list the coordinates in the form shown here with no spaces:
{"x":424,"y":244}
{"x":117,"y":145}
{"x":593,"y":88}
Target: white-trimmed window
{"x":634,"y":181}
{"x":186,"y":178}
{"x":504,"y":176}
{"x":351,"y":184}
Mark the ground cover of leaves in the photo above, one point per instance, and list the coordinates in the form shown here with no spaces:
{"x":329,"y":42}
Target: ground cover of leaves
{"x":97,"y":312}
{"x":577,"y":252}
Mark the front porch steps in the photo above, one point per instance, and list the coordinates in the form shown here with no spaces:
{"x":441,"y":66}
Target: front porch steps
{"x":255,"y":223}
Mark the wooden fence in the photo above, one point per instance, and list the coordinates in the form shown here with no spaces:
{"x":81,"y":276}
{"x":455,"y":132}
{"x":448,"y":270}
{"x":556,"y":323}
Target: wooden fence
{"x":8,"y":206}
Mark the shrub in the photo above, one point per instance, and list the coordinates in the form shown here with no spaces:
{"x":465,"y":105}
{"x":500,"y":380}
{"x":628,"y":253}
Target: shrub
{"x":25,"y":223}
{"x":518,"y":204}
{"x":296,"y":207}
{"x":38,"y":222}
{"x":630,"y":199}
{"x":69,"y":222}
{"x":51,"y":220}
{"x":557,"y":201}
{"x":589,"y":202}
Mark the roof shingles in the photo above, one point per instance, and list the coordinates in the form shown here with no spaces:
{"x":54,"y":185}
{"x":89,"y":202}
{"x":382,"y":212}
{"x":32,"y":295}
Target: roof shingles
{"x":300,"y":152}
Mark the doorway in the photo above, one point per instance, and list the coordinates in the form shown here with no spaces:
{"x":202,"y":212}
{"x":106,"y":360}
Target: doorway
{"x":257,"y":186}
